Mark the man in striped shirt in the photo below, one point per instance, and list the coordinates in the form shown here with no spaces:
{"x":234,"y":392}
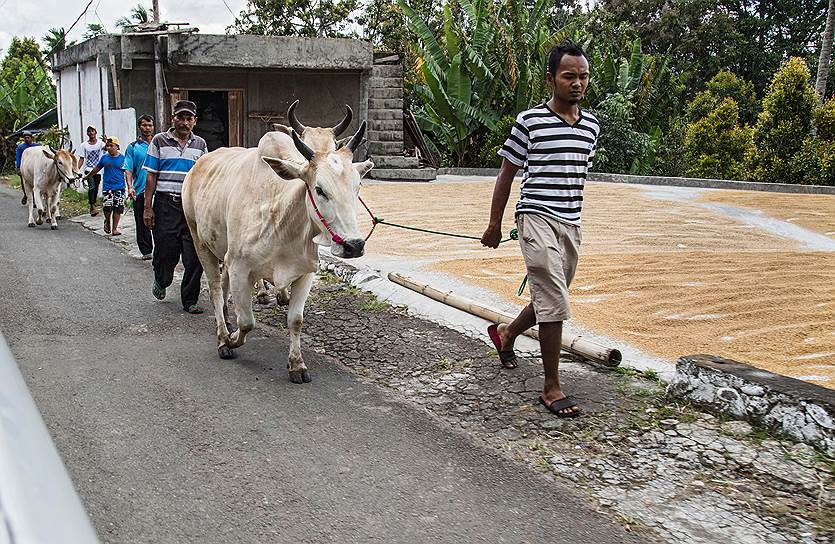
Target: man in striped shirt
{"x":554,"y":143}
{"x":170,"y":157}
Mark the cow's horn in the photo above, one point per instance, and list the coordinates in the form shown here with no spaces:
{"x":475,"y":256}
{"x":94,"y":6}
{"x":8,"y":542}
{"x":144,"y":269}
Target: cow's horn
{"x":303,"y":148}
{"x":357,"y":138}
{"x":291,"y":116}
{"x":340,"y":128}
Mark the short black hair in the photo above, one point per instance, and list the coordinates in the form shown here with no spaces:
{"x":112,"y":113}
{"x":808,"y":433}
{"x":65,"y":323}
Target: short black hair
{"x":145,"y":117}
{"x":565,"y":47}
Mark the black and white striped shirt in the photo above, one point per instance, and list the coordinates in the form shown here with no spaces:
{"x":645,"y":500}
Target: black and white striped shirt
{"x":556,"y":157}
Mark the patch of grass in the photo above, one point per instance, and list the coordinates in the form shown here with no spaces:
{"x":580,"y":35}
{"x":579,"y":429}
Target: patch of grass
{"x":372,"y":304}
{"x":328,"y":278}
{"x":12,"y":180}
{"x":647,"y":374}
{"x":445,"y":364}
{"x":72,"y":202}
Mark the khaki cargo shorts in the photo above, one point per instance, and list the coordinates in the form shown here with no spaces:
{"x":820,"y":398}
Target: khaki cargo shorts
{"x":551,"y":249}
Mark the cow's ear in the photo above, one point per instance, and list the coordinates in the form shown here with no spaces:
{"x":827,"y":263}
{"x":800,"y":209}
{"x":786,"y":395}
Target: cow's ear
{"x":363,"y":167}
{"x":286,"y":169}
{"x":282,"y":128}
{"x":49,"y":154}
{"x":342,"y":141}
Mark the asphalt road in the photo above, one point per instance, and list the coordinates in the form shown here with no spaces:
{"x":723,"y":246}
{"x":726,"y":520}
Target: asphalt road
{"x":167,"y":443}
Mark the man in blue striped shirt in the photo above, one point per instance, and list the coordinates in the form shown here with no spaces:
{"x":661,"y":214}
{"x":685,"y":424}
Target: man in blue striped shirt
{"x":170,"y":157}
{"x":555,"y":143}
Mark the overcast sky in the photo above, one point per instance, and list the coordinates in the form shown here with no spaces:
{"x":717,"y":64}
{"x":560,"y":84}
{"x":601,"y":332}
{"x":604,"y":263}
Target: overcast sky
{"x":36,"y":17}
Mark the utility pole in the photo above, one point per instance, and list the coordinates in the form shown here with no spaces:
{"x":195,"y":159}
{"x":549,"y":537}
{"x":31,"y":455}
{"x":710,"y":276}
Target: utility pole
{"x":159,"y":95}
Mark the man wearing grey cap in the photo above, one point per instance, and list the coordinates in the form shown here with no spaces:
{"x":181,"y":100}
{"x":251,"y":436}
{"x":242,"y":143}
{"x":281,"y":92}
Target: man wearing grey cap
{"x":170,"y":157}
{"x":18,"y":156}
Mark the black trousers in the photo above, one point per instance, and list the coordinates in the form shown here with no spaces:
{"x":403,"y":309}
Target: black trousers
{"x":93,"y":189}
{"x":143,"y":233}
{"x":172,"y":239}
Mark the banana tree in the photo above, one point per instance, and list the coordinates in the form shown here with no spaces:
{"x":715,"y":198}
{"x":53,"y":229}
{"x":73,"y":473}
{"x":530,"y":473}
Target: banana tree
{"x":454,"y":81}
{"x":524,"y":32}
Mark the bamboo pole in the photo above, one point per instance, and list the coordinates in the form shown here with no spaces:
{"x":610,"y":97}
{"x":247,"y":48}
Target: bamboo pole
{"x":575,"y":344}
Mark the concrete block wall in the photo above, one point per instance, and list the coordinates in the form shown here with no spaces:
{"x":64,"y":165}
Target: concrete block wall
{"x":798,"y":410}
{"x":385,"y":127}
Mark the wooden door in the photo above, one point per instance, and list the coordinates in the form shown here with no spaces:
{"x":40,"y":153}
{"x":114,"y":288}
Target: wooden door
{"x":173,"y":97}
{"x":236,"y":118}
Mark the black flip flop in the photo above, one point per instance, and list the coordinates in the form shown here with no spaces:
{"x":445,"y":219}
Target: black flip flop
{"x":508,"y":358}
{"x":561,"y":404}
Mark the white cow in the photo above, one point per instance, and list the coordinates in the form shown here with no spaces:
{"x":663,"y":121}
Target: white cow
{"x":255,"y":212}
{"x":44,"y":171}
{"x":320,"y":139}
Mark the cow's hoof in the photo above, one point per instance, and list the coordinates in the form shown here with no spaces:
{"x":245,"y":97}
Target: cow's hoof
{"x":225,"y":352}
{"x":39,"y":221}
{"x":53,"y":227}
{"x":31,"y":224}
{"x":300,"y":376}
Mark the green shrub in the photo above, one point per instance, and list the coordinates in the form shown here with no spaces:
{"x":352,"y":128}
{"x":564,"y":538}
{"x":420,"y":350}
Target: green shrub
{"x":488,"y":156}
{"x":783,"y":125}
{"x":620,"y":146}
{"x":816,"y":160}
{"x":670,"y":160}
{"x":825,"y":120}
{"x":716,"y":146}
{"x":724,"y":85}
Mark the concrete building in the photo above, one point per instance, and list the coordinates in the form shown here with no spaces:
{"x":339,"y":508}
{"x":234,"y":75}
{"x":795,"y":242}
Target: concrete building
{"x":241,"y":85}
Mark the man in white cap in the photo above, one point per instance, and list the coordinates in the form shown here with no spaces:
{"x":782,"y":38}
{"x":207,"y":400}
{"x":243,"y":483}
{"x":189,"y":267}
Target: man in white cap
{"x":89,"y":154}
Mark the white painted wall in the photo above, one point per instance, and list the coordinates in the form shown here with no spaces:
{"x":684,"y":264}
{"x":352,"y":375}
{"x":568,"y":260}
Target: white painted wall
{"x":92,"y":108}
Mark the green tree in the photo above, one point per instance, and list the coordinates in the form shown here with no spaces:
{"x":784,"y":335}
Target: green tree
{"x":22,"y":55}
{"x":93,"y":30}
{"x":725,"y":84}
{"x":527,"y":30}
{"x":455,"y":84}
{"x":308,"y":18}
{"x":26,"y":90}
{"x":750,"y":37}
{"x":56,"y":40}
{"x":384,"y":25}
{"x":783,"y":125}
{"x":716,"y":146}
{"x":138,"y":14}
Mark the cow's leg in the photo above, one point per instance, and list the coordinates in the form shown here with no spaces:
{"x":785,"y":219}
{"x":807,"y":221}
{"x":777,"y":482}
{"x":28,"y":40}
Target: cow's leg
{"x":38,"y":200}
{"x":224,"y":282}
{"x":29,"y":198}
{"x":295,"y":317}
{"x":282,"y":296}
{"x":52,"y":202}
{"x":217,"y":294}
{"x":240,"y":285}
{"x":262,"y":294}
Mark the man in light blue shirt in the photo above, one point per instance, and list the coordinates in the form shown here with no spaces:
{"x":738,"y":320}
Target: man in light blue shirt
{"x":136,"y":174}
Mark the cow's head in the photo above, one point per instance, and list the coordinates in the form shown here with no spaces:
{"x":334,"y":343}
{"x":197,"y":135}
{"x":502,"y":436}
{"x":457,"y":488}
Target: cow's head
{"x":333,"y":184}
{"x":320,"y":140}
{"x":65,"y":164}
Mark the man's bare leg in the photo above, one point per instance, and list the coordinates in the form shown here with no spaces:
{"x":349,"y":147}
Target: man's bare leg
{"x":550,"y":341}
{"x":524,"y":321}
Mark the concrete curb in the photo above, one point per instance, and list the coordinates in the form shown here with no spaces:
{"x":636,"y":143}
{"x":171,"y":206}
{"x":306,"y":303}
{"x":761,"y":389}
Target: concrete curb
{"x":801,"y":411}
{"x":699,"y":183}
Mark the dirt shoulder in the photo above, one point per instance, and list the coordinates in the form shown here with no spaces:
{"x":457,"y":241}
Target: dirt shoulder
{"x":649,"y":460}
